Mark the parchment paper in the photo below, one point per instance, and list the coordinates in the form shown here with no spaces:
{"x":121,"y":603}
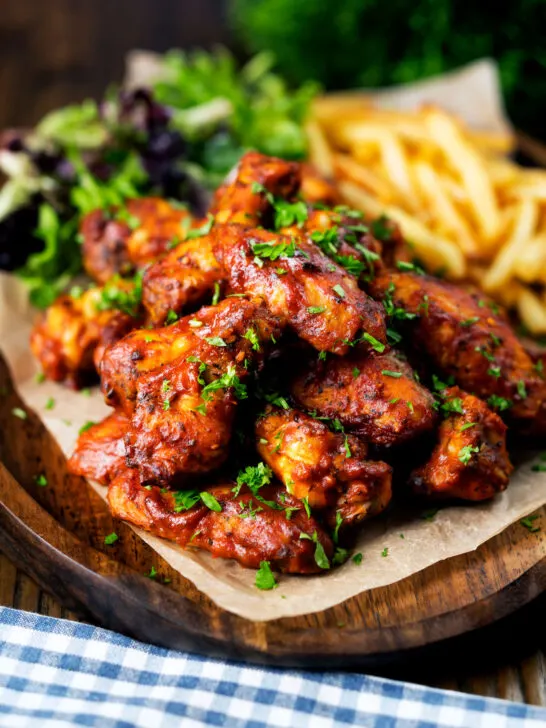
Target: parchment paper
{"x":473,"y":93}
{"x":453,"y":531}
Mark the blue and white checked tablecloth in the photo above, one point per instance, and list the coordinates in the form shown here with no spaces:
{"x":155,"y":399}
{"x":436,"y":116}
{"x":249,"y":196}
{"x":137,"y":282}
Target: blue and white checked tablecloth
{"x":59,"y":673}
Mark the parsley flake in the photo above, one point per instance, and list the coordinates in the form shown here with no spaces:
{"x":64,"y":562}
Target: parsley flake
{"x":265,"y":579}
{"x":111,"y":539}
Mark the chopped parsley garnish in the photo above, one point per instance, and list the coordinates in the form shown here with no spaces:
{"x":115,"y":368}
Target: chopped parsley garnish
{"x":339,"y":290}
{"x":356,"y":372}
{"x":340,"y":556}
{"x":121,"y":298}
{"x":203,"y":230}
{"x":339,"y":521}
{"x":495,"y":339}
{"x":50,"y":404}
{"x":539,"y":366}
{"x":423,"y":306}
{"x":20,"y":413}
{"x":381,"y":229}
{"x":453,"y":405}
{"x":466,"y":452}
{"x":321,"y":559}
{"x":385,"y":552}
{"x":406,"y":267}
{"x":280,"y":271}
{"x":316,"y":309}
{"x":254,"y":477}
{"x":389,"y":373}
{"x":469,"y":321}
{"x":306,"y":505}
{"x":276,"y":399}
{"x":40,"y":378}
{"x":357,"y":558}
{"x":252,"y":336}
{"x":467,"y":426}
{"x":86,"y":426}
{"x":486,"y":354}
{"x":165,"y":385}
{"x":352,"y":265}
{"x":130,"y":220}
{"x":322,"y":355}
{"x":215,"y":341}
{"x":494,"y":372}
{"x":166,"y":405}
{"x":216,"y":294}
{"x":522,"y":391}
{"x":265,"y":578}
{"x":289,"y":213}
{"x":202,"y":367}
{"x":210,"y":501}
{"x":439,"y":385}
{"x":346,"y":447}
{"x":195,"y":323}
{"x":172,"y":317}
{"x":392,"y":310}
{"x":539,"y":468}
{"x":152,"y":573}
{"x":374,"y":343}
{"x":273,"y":251}
{"x":393,"y":337}
{"x":111,"y":539}
{"x":185,"y":499}
{"x":429,"y":515}
{"x":40,"y":480}
{"x":499,"y":403}
{"x":226,"y":381}
{"x":528,"y":523}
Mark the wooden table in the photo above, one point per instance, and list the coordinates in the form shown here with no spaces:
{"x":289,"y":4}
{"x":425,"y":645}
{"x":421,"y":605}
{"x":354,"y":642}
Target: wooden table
{"x":505,"y":661}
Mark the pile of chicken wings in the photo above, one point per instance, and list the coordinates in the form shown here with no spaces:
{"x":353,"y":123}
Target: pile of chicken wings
{"x":279,"y":368}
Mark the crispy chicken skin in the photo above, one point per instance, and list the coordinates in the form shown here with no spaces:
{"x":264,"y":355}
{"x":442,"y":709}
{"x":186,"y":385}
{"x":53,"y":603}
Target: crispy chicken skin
{"x":183,"y":280}
{"x":239,"y":201}
{"x":470,"y":461}
{"x":158,"y":377}
{"x":69,"y":339}
{"x":374,"y":396}
{"x":301,"y":285}
{"x":464,"y":338}
{"x":115,"y":242}
{"x":247,"y":530}
{"x":315,"y":188}
{"x":329,"y":469}
{"x":100,"y":451}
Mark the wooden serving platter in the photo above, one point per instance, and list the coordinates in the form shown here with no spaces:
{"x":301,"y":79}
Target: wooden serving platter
{"x":56,"y":534}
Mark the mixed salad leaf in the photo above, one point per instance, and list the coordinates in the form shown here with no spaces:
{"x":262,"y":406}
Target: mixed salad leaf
{"x":177,"y":139}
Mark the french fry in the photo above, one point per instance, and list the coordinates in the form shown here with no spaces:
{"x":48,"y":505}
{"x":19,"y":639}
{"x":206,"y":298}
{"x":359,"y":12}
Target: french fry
{"x":439,"y":253}
{"x":319,"y":149}
{"x":532,"y":311}
{"x":460,"y":201}
{"x":470,"y":168}
{"x":503,"y":264}
{"x":434,"y":193}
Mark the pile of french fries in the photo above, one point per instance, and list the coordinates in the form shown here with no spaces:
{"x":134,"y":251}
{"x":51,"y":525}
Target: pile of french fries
{"x":466,"y":208}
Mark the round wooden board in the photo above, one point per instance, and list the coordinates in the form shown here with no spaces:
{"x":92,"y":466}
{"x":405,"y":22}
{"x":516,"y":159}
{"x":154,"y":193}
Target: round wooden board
{"x":56,"y":534}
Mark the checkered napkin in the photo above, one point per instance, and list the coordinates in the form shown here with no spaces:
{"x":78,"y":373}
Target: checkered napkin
{"x":58,"y":673}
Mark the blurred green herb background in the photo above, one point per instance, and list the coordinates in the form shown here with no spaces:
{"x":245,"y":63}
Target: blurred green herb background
{"x":369,"y":43}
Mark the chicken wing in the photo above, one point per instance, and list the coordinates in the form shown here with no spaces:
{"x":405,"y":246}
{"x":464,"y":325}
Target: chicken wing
{"x":69,"y":339}
{"x":184,"y":279}
{"x":470,"y":460}
{"x":300,"y":285}
{"x":466,"y":339}
{"x":375,"y":397}
{"x":122,"y":241}
{"x":244,"y":198}
{"x":180,"y":386}
{"x":232,"y":527}
{"x":316,"y":189}
{"x":329,"y":469}
{"x":100,"y":450}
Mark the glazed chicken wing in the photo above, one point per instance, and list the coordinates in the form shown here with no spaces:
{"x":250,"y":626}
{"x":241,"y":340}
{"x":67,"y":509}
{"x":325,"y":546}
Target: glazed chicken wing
{"x":184,"y":279}
{"x":466,"y":339}
{"x":300,"y":285}
{"x":316,"y":189}
{"x":180,"y":386}
{"x":244,"y":198}
{"x":240,"y":527}
{"x":373,"y":396}
{"x":100,"y":451}
{"x":470,"y":460}
{"x":122,"y":241}
{"x":329,"y":469}
{"x":69,"y":339}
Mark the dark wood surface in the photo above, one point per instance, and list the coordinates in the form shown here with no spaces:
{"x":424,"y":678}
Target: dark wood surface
{"x":57,"y":52}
